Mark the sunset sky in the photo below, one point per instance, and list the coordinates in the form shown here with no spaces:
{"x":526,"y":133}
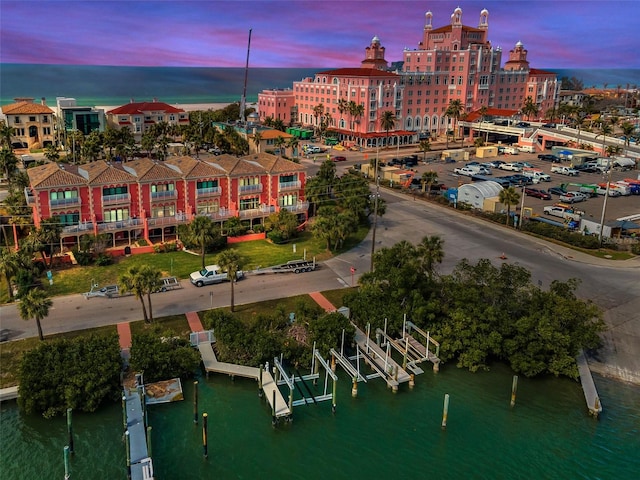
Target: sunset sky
{"x":325,"y":33}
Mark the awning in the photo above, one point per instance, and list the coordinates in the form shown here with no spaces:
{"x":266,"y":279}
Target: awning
{"x":624,"y":162}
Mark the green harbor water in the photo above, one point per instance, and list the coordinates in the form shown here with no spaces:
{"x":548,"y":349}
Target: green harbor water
{"x":548,"y":434}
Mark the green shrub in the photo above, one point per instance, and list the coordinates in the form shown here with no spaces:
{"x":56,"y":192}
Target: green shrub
{"x":142,"y":242}
{"x":80,"y":373}
{"x":83,"y":258}
{"x":163,"y":358}
{"x":276,"y":236}
{"x":259,"y":228}
{"x":103,"y":260}
{"x":635,"y":248}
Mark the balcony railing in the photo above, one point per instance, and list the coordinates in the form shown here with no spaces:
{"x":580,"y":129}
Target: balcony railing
{"x":221,"y":214}
{"x":208,"y":191}
{"x":64,"y":202}
{"x":258,"y":212}
{"x":28,"y":196}
{"x":115,"y":199}
{"x":251,"y":188}
{"x":164,"y":221}
{"x":299,"y":207}
{"x":164,"y":194}
{"x":80,"y":227}
{"x":294,"y":185}
{"x":120,"y":225}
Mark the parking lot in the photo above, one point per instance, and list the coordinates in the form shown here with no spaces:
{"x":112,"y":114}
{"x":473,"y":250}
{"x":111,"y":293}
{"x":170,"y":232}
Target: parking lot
{"x":616,"y":206}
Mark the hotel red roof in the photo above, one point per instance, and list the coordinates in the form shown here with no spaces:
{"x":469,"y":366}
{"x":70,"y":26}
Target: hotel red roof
{"x":357,"y":72}
{"x":491,"y":112}
{"x":142,"y":107}
{"x":537,"y":71}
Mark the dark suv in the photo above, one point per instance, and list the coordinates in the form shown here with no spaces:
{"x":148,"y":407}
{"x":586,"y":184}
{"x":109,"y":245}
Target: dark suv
{"x":547,"y":157}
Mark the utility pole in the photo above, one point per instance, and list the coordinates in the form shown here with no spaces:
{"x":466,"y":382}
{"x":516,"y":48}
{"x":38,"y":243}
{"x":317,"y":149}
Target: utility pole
{"x":375,"y":207}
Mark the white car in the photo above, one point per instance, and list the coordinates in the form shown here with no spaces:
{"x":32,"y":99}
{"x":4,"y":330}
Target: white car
{"x":573,"y":197}
{"x":466,"y":171}
{"x":513,"y":167}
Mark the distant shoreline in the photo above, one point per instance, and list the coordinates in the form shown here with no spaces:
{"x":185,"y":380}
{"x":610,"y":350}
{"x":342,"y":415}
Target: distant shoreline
{"x":187,"y":107}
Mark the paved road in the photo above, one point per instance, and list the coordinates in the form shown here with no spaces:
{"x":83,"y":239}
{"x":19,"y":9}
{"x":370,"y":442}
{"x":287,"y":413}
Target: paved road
{"x":615,"y":286}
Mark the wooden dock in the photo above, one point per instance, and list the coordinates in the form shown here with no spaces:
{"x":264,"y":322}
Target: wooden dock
{"x":140,"y":463}
{"x":211,"y":364}
{"x":588,"y":385}
{"x":381,"y":361}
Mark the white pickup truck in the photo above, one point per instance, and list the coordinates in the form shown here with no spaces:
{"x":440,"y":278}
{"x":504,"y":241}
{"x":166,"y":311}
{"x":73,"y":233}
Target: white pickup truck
{"x":562,"y":170}
{"x":211,"y":274}
{"x":562,"y":212}
{"x":536,"y":175}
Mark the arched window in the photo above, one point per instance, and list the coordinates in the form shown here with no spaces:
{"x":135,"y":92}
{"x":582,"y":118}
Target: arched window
{"x":417,"y":123}
{"x":409,"y":123}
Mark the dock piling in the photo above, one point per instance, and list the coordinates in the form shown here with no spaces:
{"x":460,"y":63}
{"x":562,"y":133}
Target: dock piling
{"x":124,"y":412}
{"x":445,"y":411}
{"x":70,"y":429}
{"x":354,"y":388}
{"x":273,"y":410}
{"x":67,"y":474}
{"x":260,"y":380}
{"x":333,"y":397}
{"x":514,"y":387}
{"x":127,"y":442}
{"x":205,"y":445}
{"x":195,"y":402}
{"x":149,"y":441}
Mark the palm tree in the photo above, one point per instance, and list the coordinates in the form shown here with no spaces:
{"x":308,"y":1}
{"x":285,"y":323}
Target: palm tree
{"x":509,"y":197}
{"x":149,"y":279}
{"x":343,"y":106}
{"x":35,"y":304}
{"x":293,"y":144}
{"x":425,"y":146}
{"x":357,"y":111}
{"x":427,"y":179}
{"x":9,"y":265}
{"x":627,"y":130}
{"x":318,"y":110}
{"x":605,"y":129}
{"x":529,"y":108}
{"x":387,"y":122}
{"x":257,"y":139}
{"x":231,"y":262}
{"x":454,"y":111}
{"x":140,"y":281}
{"x":8,"y":162}
{"x":280,"y":142}
{"x":431,"y":251}
{"x":6,"y":132}
{"x":483,"y":113}
{"x":202,"y":234}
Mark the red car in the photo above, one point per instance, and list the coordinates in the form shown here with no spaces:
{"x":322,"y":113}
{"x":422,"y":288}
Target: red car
{"x":339,"y":159}
{"x":534,"y":192}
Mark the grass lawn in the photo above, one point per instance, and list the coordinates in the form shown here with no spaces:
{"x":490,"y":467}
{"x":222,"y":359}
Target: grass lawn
{"x":336,"y":296}
{"x":260,"y":253}
{"x":174,"y":325}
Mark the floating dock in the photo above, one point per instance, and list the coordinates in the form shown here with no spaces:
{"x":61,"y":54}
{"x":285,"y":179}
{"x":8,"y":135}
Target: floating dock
{"x":588,"y":385}
{"x":138,"y":460}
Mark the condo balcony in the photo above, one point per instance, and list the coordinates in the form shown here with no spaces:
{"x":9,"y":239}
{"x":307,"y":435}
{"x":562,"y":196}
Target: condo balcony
{"x":166,"y":194}
{"x":120,"y":225}
{"x":64,"y":202}
{"x":286,"y":186}
{"x":208,"y":192}
{"x":299,"y":207}
{"x":250,"y":188}
{"x":258,"y":212}
{"x":116,"y":199}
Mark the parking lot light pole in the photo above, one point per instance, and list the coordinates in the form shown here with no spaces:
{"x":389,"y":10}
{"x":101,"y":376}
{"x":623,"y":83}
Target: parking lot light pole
{"x":521,"y":209}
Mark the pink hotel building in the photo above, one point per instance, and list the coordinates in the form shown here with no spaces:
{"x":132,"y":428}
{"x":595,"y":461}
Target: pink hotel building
{"x":452,"y":62}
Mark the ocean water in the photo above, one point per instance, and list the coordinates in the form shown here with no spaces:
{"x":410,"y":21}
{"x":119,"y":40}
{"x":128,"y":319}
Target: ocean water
{"x":100,"y":85}
{"x":379,"y":434}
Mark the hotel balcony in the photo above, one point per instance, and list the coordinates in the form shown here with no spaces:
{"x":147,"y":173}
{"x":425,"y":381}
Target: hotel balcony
{"x":30,"y":199}
{"x":299,"y":207}
{"x":167,"y":221}
{"x":286,"y":186}
{"x":250,"y":188}
{"x":258,"y":212}
{"x":80,"y":227}
{"x":64,"y":202}
{"x":120,"y":225}
{"x":168,"y":194}
{"x":221,"y":214}
{"x":208,"y":192}
{"x":120,"y":198}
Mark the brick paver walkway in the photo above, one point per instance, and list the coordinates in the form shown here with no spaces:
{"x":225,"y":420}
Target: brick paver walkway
{"x":322,"y":301}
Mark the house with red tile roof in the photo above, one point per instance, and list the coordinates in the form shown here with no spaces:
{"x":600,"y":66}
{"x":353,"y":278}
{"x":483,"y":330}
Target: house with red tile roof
{"x":149,"y":198}
{"x":139,"y":117}
{"x":33,"y":123}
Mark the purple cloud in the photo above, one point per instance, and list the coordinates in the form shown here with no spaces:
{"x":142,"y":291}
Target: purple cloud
{"x":558,"y":34}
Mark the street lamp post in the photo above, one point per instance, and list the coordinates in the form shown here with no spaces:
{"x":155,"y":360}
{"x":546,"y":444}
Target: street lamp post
{"x":604,"y":203}
{"x":521,"y":209}
{"x":375,"y":207}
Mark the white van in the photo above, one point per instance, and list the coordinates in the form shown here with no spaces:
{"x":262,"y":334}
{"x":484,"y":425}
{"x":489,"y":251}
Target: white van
{"x":527,"y":149}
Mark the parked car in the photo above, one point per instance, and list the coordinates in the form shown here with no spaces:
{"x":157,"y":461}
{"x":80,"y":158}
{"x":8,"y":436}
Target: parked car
{"x":549,"y":125}
{"x":557,"y":190}
{"x":511,"y":167}
{"x":466,"y":171}
{"x":211,"y":274}
{"x":572,"y":197}
{"x":562,"y":170}
{"x":547,"y":157}
{"x":495,"y":163}
{"x":520,"y":180}
{"x":338,"y":158}
{"x":523,"y":125}
{"x":534,"y":192}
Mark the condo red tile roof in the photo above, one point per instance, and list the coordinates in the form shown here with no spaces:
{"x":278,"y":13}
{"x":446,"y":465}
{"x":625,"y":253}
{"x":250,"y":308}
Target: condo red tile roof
{"x":192,"y":168}
{"x":537,"y":71}
{"x":143,"y":107}
{"x":53,"y":175}
{"x":147,"y":170}
{"x":491,"y":112}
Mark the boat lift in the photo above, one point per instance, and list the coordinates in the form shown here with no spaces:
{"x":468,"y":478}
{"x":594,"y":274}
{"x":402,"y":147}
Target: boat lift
{"x":292,"y":381}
